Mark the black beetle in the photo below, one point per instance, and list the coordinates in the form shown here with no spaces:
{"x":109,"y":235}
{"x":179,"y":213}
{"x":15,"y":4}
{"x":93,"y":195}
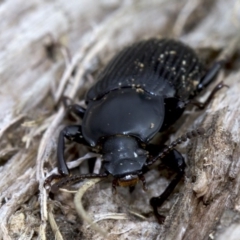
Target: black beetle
{"x":142,"y":91}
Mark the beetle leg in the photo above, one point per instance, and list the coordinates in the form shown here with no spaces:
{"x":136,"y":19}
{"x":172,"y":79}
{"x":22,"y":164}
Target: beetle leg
{"x":210,"y":74}
{"x":202,"y":105}
{"x":75,"y":108}
{"x":115,"y":185}
{"x":206,"y":80}
{"x":143,"y":180}
{"x":175,"y":161}
{"x":72,"y":133}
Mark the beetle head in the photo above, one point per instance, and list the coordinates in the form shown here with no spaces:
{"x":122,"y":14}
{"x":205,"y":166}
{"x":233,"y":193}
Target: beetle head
{"x":124,"y":159}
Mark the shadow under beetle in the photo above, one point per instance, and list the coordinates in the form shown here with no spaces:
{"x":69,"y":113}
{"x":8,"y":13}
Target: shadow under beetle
{"x":142,"y":91}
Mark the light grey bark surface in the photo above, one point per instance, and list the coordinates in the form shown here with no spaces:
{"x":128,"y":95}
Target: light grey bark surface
{"x":206,"y":204}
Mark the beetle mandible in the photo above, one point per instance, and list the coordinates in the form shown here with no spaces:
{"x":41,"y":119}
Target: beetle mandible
{"x":142,"y":91}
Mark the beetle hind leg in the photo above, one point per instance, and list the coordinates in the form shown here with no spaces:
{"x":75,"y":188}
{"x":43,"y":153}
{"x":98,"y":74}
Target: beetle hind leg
{"x":210,"y":75}
{"x":206,"y":80}
{"x":202,"y":105}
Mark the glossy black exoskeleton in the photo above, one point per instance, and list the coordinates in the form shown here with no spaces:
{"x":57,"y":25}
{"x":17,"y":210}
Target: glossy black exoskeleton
{"x":142,"y":91}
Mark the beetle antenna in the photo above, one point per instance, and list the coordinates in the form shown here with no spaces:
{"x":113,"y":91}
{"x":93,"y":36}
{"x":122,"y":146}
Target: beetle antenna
{"x":169,"y":148}
{"x":73,"y":179}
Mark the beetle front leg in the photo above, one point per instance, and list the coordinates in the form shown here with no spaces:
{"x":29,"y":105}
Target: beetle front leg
{"x":175,"y":161}
{"x":72,"y":133}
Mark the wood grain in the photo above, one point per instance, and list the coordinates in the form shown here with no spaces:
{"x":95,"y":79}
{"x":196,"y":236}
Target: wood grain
{"x":82,"y":36}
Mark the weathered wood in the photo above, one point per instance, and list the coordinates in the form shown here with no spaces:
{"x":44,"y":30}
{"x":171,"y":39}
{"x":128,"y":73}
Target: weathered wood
{"x":206,"y":204}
